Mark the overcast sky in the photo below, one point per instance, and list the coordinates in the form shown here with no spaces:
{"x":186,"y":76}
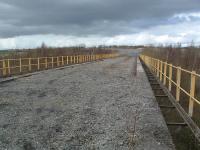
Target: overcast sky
{"x":28,"y":23}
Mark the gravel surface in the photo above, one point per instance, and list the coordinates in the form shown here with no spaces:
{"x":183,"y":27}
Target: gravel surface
{"x":93,"y":106}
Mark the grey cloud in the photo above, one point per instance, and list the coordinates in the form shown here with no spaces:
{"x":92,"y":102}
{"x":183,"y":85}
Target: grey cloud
{"x":87,"y":17}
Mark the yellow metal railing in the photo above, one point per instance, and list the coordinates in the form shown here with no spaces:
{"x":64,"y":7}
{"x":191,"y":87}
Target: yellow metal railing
{"x":10,"y":67}
{"x":164,"y":72}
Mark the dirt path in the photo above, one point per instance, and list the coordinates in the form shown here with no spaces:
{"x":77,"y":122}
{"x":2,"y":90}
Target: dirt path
{"x":92,"y":106}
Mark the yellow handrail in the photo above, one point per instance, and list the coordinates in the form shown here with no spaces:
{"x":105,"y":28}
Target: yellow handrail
{"x":12,"y":66}
{"x":163,"y":71}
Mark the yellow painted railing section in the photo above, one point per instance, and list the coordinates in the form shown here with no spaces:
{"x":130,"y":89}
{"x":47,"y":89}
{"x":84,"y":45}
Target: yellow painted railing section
{"x":164,"y":72}
{"x":10,"y":67}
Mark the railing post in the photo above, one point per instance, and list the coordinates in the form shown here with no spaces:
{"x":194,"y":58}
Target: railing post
{"x":58,"y":61}
{"x":170,"y":77}
{"x":20,"y":65}
{"x":9,"y":66}
{"x":158,"y":67}
{"x":46,"y":63}
{"x":154,"y":64}
{"x":178,"y":82}
{"x":77,"y":59}
{"x":4,"y":68}
{"x":161,"y":70}
{"x":62,"y":61}
{"x":29,"y":64}
{"x":150,"y":63}
{"x":71,"y":59}
{"x":74,"y":59}
{"x":192,"y":93}
{"x":67,"y":60}
{"x":38,"y":63}
{"x":52,"y":62}
{"x":165,"y":73}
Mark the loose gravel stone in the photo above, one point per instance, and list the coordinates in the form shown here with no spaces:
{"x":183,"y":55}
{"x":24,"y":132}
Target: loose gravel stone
{"x":100,"y":105}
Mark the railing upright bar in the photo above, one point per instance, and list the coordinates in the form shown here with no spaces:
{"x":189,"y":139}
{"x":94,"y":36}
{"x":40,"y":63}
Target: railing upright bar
{"x":178,"y":82}
{"x":38,"y":63}
{"x":20,"y":65}
{"x":170,"y":77}
{"x":70,"y":59}
{"x":192,"y":93}
{"x":158,"y":68}
{"x":62,"y":61}
{"x":165,"y":73}
{"x":9,"y":67}
{"x":57,"y":61}
{"x":46,"y":63}
{"x":161,"y":70}
{"x":4,"y":68}
{"x":52,"y":62}
{"x":29,"y":64}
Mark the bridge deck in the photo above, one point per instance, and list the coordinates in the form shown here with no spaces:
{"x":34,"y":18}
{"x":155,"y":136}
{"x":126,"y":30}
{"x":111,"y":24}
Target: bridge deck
{"x":93,"y":106}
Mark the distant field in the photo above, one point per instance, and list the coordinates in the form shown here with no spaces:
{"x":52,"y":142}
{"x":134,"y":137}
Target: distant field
{"x":49,"y":52}
{"x":5,"y":52}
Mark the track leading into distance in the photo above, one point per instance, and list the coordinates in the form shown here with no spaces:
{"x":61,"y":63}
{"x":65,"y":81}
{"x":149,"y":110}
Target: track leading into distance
{"x":99,"y":105}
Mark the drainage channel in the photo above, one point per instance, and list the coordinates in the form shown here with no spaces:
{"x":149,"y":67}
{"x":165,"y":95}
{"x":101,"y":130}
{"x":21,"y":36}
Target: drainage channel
{"x":183,"y":137}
